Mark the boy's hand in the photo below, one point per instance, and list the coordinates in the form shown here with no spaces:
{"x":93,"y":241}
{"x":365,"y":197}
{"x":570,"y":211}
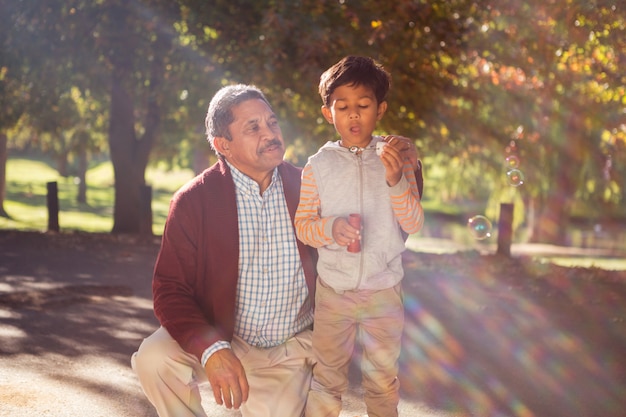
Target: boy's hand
{"x":405,"y":146}
{"x":344,"y":233}
{"x":393,"y":160}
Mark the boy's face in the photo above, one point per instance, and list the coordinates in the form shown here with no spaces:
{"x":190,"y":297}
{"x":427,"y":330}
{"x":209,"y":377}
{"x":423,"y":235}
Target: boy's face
{"x":354,"y":112}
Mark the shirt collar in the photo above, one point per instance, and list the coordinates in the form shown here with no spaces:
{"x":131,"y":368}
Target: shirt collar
{"x":246,"y":184}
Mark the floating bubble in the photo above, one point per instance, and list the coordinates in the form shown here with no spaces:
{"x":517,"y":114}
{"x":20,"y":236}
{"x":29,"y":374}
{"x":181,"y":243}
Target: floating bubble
{"x":512,"y":161}
{"x":480,"y":227}
{"x":515,"y":177}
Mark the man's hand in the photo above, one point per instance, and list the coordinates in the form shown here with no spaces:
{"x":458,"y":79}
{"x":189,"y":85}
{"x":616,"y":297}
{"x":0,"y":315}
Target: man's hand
{"x":227,"y":378}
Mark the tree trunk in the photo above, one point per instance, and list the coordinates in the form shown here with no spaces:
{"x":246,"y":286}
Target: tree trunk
{"x":130,"y":154}
{"x":531,"y":216}
{"x":553,"y":208}
{"x":122,"y":142}
{"x":3,"y":172}
{"x":202,"y":159}
{"x":81,"y":197}
{"x":554,"y":214}
{"x":122,"y":137}
{"x":550,"y":225}
{"x":62,"y":164}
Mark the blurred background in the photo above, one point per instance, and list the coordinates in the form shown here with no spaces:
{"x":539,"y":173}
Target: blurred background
{"x":512,"y":102}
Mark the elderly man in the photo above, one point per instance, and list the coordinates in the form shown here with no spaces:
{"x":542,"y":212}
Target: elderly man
{"x":233,"y":288}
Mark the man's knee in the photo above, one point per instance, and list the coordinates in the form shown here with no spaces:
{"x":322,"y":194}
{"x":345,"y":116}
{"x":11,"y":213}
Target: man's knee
{"x":150,"y":355}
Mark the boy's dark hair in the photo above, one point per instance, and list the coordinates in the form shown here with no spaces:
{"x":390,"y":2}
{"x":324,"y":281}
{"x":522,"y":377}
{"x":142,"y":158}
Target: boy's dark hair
{"x":355,"y":71}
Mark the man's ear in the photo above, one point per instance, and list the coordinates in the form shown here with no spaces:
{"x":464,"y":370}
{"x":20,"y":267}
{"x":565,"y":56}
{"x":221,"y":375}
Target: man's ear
{"x":328,"y":115}
{"x":382,"y":108}
{"x":222,"y":145}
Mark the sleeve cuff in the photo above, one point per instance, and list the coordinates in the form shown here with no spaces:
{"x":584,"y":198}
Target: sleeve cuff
{"x":328,"y":228}
{"x":219,"y":345}
{"x":400,"y":188}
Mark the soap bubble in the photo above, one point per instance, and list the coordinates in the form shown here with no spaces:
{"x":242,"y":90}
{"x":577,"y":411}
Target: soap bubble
{"x":515,"y":177}
{"x":512,"y":161}
{"x":480,"y":227}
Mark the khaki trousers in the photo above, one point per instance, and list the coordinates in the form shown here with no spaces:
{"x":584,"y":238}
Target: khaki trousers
{"x":377,"y":319}
{"x":279,"y":377}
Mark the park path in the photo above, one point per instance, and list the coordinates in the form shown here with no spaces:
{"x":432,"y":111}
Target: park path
{"x":478,"y":342}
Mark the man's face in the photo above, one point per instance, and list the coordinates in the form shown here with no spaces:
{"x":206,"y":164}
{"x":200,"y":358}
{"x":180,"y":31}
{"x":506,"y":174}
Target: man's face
{"x":257,"y":145}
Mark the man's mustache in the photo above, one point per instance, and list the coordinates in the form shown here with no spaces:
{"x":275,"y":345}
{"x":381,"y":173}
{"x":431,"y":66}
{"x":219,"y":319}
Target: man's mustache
{"x":273,"y":142}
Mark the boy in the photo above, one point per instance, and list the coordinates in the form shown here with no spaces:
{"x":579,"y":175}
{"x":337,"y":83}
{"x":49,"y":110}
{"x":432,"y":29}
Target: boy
{"x":357,"y":290}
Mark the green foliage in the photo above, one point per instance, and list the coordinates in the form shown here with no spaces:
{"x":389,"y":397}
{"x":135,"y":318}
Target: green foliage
{"x":26,"y":196}
{"x":473,"y":82}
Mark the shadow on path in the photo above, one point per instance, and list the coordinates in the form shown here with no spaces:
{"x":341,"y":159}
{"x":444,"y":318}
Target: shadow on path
{"x":485,"y":336}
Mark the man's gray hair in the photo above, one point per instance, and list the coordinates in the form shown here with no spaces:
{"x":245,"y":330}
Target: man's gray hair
{"x":220,"y":114}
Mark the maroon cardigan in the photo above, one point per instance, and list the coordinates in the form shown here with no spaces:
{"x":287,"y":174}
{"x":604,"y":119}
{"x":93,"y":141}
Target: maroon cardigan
{"x":196,"y":272}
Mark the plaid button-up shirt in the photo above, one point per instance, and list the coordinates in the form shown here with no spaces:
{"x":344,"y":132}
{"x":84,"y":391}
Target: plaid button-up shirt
{"x":271,"y":289}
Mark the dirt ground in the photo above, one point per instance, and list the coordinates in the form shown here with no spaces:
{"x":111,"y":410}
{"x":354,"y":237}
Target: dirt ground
{"x":485,"y":335}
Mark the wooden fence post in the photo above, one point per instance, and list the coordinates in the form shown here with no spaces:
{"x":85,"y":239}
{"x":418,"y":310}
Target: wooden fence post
{"x":505,"y":229}
{"x":53,"y":206}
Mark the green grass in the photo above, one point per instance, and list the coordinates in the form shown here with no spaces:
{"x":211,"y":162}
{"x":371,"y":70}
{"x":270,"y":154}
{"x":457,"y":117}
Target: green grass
{"x":26,"y":192}
{"x":25,"y":203}
{"x":614,"y":264}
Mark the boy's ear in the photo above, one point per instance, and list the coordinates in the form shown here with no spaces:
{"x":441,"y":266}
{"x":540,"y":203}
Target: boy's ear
{"x":382,"y":108}
{"x":328,"y":115}
{"x":222,"y":145}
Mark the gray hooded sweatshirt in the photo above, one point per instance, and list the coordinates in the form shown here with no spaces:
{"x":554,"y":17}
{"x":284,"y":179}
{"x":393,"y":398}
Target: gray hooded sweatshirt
{"x":355,"y":183}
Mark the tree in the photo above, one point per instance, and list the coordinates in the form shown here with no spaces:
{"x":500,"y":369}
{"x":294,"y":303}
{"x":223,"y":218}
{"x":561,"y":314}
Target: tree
{"x":473,"y":82}
{"x":75,"y":57}
{"x":557,"y":89}
{"x":11,"y":108}
{"x":479,"y":81}
{"x":153,"y":66}
{"x":42,"y":41}
{"x":12,"y":95}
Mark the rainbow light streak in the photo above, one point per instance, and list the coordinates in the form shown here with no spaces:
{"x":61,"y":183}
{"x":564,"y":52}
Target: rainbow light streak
{"x":477,"y":345}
